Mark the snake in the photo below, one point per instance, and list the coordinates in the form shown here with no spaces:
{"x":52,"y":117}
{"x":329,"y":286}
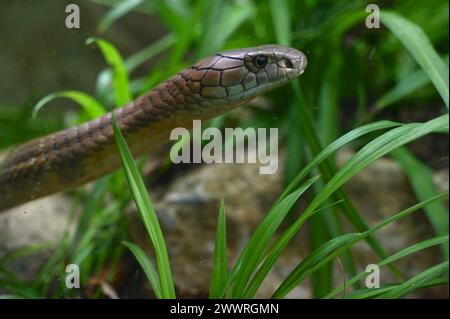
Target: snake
{"x":69,"y":158}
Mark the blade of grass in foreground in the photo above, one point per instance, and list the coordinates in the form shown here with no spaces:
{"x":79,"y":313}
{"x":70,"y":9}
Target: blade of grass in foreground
{"x":371,"y":293}
{"x":418,"y":44}
{"x":375,"y":149}
{"x":335,"y":247}
{"x":333,"y":147}
{"x":327,"y":170}
{"x":147,"y":266}
{"x":219,"y":276}
{"x":419,"y":280}
{"x":330,"y":149}
{"x":402,"y":253}
{"x":148,"y":214}
{"x":253,"y":251}
{"x":420,"y":177}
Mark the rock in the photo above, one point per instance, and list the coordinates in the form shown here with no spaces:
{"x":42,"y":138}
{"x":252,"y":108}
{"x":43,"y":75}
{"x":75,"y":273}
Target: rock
{"x":38,"y":222}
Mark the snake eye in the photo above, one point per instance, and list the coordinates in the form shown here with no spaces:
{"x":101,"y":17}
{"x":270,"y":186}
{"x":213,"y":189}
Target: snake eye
{"x":260,"y":61}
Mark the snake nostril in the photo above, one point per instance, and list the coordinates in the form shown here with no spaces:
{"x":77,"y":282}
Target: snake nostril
{"x":286,"y":63}
{"x":289,"y":64}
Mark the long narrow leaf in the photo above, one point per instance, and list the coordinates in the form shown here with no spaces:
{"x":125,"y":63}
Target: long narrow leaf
{"x":148,"y":214}
{"x":400,"y":254}
{"x":422,"y":183}
{"x":252,"y":253}
{"x":417,"y":281}
{"x":219,"y":276}
{"x":120,"y":79}
{"x":336,"y":246}
{"x":147,"y":266}
{"x":90,"y":105}
{"x":418,"y":44}
{"x":372,"y":151}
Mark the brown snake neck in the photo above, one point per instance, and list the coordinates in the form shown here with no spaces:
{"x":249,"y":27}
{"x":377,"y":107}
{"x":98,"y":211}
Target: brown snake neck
{"x":74,"y":156}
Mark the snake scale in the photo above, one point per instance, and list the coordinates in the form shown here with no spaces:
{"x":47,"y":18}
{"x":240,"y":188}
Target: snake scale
{"x":72,"y":157}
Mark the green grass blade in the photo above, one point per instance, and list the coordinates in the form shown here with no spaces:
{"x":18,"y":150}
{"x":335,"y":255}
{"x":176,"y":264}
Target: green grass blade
{"x":138,"y":58}
{"x":105,"y":78}
{"x":148,"y":214}
{"x":419,"y":46}
{"x":420,"y":177}
{"x":372,"y":151}
{"x":328,"y":121}
{"x":400,"y":254}
{"x":328,"y":251}
{"x":90,"y":105}
{"x":408,"y":84}
{"x":21,"y":252}
{"x":21,"y":289}
{"x":328,"y":171}
{"x":146,"y":265}
{"x":370,"y":293}
{"x":255,"y":247}
{"x":330,"y":149}
{"x":315,"y":261}
{"x":221,"y":22}
{"x":120,"y":79}
{"x":377,"y":148}
{"x":219,"y":276}
{"x":333,"y":147}
{"x":116,"y":13}
{"x":281,"y":20}
{"x":418,"y":280}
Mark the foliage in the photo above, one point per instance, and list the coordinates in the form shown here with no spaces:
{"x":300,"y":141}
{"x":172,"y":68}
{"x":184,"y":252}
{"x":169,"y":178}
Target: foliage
{"x":356,"y":79}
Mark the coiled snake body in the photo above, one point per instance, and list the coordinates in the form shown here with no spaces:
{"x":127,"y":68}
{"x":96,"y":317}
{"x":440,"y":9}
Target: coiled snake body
{"x":77,"y":155}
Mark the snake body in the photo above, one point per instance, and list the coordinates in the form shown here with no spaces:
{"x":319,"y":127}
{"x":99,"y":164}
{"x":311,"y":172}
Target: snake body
{"x":74,"y":156}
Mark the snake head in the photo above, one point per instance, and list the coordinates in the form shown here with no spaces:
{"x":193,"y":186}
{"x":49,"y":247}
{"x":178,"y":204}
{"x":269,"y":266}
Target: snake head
{"x":244,"y":73}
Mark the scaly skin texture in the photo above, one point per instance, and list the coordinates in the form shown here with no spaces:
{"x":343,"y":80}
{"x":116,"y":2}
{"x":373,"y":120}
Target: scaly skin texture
{"x":74,"y":156}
